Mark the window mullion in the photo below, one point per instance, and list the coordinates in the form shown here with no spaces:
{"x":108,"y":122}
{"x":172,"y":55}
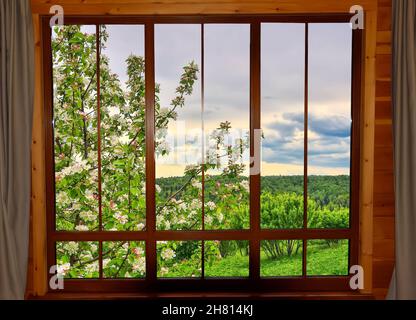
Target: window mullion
{"x":255,"y":124}
{"x":203,"y":146}
{"x":100,"y":210}
{"x":305,"y":150}
{"x":151,"y":265}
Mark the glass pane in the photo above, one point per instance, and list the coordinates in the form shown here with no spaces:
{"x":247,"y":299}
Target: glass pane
{"x":179,"y":259}
{"x":75,"y":127}
{"x":123,"y":127}
{"x":327,"y":257}
{"x":124,"y":259}
{"x":77,"y":259}
{"x":281,"y":258}
{"x":282,"y":69}
{"x":178,"y":127}
{"x":330,"y":54}
{"x":226,"y":259}
{"x":226,"y":125}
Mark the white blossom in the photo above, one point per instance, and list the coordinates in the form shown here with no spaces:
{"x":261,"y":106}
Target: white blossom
{"x":89,"y":194}
{"x":162,"y":147}
{"x":246,"y":185}
{"x":138,"y":251}
{"x":159,"y":220}
{"x":139,"y":265}
{"x":86,"y":256}
{"x":92,"y":267}
{"x":106,"y":262}
{"x":81,"y":227}
{"x":158,"y":188}
{"x":121,"y":218}
{"x":208,"y":219}
{"x":78,"y":166}
{"x":163,"y":271}
{"x":140,"y":226}
{"x":62,"y":198}
{"x":195,"y":204}
{"x":113,"y":111}
{"x":124,"y":139}
{"x":168,"y":254}
{"x":211,"y":205}
{"x":167,"y":224}
{"x":71,"y":247}
{"x":62,"y":269}
{"x":197,"y":184}
{"x":88,"y":216}
{"x":182,"y":206}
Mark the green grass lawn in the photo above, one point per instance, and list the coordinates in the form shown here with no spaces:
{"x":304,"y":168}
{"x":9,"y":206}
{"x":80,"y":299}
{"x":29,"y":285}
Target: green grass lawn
{"x":322,"y":260}
{"x":233,"y":266}
{"x":325,"y":261}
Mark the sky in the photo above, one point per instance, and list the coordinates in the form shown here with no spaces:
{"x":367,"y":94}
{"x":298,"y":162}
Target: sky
{"x":226,"y":90}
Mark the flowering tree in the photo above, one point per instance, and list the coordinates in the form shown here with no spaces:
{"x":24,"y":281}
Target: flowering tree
{"x":122,"y":120}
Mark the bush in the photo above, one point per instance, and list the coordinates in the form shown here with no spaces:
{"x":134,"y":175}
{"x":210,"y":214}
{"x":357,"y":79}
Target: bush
{"x":281,"y":211}
{"x":278,"y":248}
{"x":333,"y":219}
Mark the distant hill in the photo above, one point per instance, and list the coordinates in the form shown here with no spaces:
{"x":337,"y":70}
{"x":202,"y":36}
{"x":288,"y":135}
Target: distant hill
{"x":326,"y":190}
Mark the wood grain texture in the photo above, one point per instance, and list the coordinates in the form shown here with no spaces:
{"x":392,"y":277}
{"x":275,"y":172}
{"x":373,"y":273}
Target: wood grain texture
{"x":38,"y":217}
{"x":384,"y":204}
{"x":131,"y":7}
{"x":367,"y":153}
{"x":383,"y":147}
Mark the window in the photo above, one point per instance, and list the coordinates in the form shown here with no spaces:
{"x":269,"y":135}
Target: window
{"x":203,"y":152}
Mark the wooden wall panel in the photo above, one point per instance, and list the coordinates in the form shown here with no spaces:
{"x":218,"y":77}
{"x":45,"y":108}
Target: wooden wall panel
{"x":367,"y":151}
{"x":384,"y":204}
{"x":383,"y":110}
{"x":89,"y":7}
{"x":37,"y":263}
{"x":383,"y":246}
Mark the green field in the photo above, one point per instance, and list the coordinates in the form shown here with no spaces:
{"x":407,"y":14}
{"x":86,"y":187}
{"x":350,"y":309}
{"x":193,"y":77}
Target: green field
{"x":322,"y":260}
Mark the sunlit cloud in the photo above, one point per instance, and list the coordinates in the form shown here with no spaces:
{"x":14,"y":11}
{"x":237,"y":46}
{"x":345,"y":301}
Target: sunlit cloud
{"x":227,"y":89}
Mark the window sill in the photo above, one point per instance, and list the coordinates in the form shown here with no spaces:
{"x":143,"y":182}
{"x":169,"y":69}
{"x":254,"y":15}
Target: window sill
{"x":312,"y":295}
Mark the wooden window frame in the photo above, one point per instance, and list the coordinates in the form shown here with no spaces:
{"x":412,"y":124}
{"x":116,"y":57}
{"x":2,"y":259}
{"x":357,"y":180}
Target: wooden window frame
{"x":254,"y":283}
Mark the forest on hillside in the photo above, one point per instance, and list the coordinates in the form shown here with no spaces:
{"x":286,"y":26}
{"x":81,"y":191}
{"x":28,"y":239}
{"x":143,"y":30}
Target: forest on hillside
{"x":330,"y":191}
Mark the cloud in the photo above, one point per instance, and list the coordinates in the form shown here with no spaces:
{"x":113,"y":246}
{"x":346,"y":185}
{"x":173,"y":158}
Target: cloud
{"x":328,"y":143}
{"x":227,"y":83}
{"x":333,"y":126}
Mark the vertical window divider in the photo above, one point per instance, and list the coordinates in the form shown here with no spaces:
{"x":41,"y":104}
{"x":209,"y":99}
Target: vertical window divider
{"x":255,"y":124}
{"x":50,"y":188}
{"x":305,"y":151}
{"x":151,"y":255}
{"x":100,"y":209}
{"x":356,"y":79}
{"x":203,"y":146}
